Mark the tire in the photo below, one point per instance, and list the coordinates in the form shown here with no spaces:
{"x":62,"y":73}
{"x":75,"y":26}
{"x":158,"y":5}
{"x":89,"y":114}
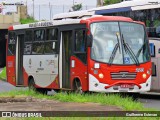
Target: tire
{"x":78,"y":87}
{"x":42,"y":91}
{"x":31,"y":84}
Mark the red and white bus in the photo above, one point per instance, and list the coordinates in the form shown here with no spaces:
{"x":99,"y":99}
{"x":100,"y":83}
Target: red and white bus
{"x":99,"y":53}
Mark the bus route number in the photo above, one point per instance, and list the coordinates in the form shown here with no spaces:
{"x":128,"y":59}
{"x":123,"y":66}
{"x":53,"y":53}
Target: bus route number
{"x":139,"y":69}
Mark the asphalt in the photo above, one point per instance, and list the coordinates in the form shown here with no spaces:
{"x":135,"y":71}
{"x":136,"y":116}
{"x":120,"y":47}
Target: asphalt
{"x":4,"y":87}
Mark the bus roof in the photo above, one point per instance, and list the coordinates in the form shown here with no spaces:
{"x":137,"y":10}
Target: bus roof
{"x":70,"y":21}
{"x":73,"y":15}
{"x":127,"y":6}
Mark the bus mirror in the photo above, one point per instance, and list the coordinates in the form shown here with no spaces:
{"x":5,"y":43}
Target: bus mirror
{"x":89,"y":40}
{"x":54,"y":45}
{"x":6,"y":37}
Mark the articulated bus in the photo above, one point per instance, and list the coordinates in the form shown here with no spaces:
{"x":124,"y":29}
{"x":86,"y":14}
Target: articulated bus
{"x":98,"y":53}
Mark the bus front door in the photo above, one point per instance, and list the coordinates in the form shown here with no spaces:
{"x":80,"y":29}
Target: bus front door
{"x":19,"y":60}
{"x":64,"y":63}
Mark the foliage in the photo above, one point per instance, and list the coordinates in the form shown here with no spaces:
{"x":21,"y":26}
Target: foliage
{"x":108,"y":2}
{"x":77,"y":7}
{"x":28,"y":20}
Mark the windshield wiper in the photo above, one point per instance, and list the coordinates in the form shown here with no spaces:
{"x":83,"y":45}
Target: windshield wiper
{"x":130,"y":51}
{"x":139,"y":51}
{"x":113,"y":54}
{"x":114,"y":51}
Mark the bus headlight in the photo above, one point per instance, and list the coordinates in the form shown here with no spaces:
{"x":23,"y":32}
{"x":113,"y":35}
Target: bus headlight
{"x":101,"y":75}
{"x":144,"y":75}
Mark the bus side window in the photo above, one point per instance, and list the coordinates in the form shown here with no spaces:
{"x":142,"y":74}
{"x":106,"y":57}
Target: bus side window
{"x":80,"y":45}
{"x":51,"y":43}
{"x":28,"y":42}
{"x":80,"y":41}
{"x":11,"y":43}
{"x":38,"y":42}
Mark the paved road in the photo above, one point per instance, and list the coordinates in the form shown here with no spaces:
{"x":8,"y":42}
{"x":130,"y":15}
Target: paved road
{"x":4,"y":86}
{"x":151,"y":100}
{"x":151,"y":103}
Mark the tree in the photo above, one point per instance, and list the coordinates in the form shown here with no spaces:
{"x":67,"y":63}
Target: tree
{"x":108,"y":2}
{"x":76,"y":7}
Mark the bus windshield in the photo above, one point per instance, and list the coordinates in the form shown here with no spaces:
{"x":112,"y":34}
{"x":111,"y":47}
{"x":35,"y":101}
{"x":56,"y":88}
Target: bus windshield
{"x":119,"y":43}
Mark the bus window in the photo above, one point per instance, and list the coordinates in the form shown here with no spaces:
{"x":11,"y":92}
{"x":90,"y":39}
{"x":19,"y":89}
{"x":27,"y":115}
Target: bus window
{"x":38,"y":43}
{"x":80,"y":41}
{"x":29,"y":35}
{"x":80,"y":46}
{"x":39,"y":35}
{"x":51,"y":42}
{"x":11,"y":43}
{"x":28,"y":42}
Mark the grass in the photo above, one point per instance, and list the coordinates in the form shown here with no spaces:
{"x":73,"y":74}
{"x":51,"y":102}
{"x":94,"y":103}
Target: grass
{"x":3,"y":74}
{"x":110,"y":99}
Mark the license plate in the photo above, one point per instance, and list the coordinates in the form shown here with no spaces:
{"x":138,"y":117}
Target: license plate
{"x":125,"y":86}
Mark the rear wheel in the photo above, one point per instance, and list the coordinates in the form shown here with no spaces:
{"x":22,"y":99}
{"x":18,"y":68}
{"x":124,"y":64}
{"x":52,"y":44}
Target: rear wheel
{"x":42,"y":91}
{"x":31,"y":84}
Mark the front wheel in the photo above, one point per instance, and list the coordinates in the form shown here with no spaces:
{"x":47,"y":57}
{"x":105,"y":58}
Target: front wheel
{"x":78,"y":87}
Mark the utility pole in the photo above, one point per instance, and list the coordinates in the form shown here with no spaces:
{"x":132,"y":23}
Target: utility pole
{"x":33,"y":9}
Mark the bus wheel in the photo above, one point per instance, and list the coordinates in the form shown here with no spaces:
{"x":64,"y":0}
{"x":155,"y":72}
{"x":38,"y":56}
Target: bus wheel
{"x":78,"y":87}
{"x":42,"y":91}
{"x":31,"y":84}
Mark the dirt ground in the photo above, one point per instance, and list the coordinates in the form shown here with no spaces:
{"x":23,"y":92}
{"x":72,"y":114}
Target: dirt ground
{"x":33,"y":104}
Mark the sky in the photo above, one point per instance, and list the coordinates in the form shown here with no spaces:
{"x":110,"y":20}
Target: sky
{"x":55,"y":2}
{"x":42,"y":11}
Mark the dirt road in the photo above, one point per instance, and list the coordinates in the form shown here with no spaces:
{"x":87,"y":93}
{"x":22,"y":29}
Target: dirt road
{"x":32,"y":104}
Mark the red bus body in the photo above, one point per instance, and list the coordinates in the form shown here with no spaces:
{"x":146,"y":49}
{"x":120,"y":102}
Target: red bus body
{"x":92,"y":76}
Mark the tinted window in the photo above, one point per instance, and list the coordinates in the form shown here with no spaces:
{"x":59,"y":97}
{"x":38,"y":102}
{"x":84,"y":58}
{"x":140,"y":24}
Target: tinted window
{"x":11,"y":43}
{"x":52,"y":34}
{"x":27,"y":48}
{"x":38,"y":48}
{"x":80,"y":41}
{"x":28,"y":42}
{"x":28,"y":36}
{"x":51,"y":44}
{"x":39,"y":35}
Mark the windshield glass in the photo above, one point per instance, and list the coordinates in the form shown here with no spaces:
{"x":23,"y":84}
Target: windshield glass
{"x":119,"y":43}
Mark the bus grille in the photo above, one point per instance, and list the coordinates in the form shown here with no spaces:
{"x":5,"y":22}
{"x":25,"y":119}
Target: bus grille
{"x":123,"y":76}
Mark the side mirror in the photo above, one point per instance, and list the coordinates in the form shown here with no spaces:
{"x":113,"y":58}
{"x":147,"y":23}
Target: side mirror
{"x":89,"y":40}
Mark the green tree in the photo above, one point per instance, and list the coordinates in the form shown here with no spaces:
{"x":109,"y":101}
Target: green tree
{"x":77,"y":7}
{"x":108,"y":2}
